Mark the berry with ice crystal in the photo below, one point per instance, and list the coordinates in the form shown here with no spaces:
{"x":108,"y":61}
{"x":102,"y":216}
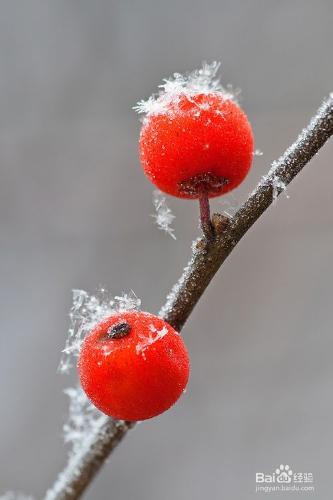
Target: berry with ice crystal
{"x":133,"y":366}
{"x":195,"y":138}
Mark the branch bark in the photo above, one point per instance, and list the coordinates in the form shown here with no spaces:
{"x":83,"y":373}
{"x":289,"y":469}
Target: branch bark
{"x":207,"y":258}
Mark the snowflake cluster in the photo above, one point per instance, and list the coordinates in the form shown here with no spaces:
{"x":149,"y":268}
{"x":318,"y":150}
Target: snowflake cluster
{"x":88,"y":310}
{"x":199,"y":81}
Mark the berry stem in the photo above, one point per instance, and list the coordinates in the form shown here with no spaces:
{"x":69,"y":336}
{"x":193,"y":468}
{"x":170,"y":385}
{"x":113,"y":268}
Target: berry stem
{"x":205,"y":220}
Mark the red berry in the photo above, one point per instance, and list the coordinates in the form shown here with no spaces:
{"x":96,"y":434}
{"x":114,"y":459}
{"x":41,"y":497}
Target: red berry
{"x":133,"y":366}
{"x":197,"y":141}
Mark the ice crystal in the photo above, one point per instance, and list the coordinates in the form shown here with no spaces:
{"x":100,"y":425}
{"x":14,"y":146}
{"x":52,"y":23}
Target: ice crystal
{"x":154,"y":336}
{"x":83,"y":418}
{"x":88,"y":310}
{"x":278,"y":186}
{"x":257,"y":152}
{"x":163,"y":216}
{"x":199,"y":81}
{"x":273,"y":180}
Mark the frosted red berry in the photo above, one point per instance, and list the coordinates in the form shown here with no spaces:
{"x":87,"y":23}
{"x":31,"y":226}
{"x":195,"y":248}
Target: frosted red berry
{"x":196,"y":142}
{"x":133,"y":366}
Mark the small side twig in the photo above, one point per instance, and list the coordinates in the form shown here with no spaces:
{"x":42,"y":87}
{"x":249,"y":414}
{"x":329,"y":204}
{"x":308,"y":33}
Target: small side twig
{"x":205,"y":262}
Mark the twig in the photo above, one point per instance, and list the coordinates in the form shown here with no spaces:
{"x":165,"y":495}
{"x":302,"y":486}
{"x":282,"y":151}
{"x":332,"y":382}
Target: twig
{"x":205,"y":261}
{"x":83,"y":466}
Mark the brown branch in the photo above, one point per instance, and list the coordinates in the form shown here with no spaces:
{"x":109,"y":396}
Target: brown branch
{"x":206,"y":259}
{"x":83,"y":466}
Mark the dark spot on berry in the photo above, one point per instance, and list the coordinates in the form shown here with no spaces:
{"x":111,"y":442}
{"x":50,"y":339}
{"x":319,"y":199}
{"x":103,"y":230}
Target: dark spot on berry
{"x":118,"y":330}
{"x":207,"y":181}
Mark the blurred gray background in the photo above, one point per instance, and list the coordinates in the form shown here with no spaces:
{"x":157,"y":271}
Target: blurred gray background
{"x":75,"y":213}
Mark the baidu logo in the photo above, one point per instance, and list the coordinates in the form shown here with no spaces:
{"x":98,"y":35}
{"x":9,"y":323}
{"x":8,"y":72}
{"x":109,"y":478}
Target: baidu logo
{"x":283,"y":478}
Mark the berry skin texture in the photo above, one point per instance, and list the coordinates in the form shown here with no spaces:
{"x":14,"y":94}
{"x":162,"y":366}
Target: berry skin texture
{"x":133,"y":366}
{"x":202,"y":141}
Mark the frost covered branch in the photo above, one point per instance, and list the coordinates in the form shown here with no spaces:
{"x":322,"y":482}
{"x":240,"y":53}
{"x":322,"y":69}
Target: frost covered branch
{"x":206,"y":259}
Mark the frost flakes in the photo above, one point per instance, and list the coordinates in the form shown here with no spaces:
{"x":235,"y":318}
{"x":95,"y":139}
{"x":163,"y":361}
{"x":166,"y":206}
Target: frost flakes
{"x":179,"y":286}
{"x":199,"y":81}
{"x":88,"y":310}
{"x":278,"y":186}
{"x":164,"y":216}
{"x":91,"y":445}
{"x":257,"y":152}
{"x":274,"y":180}
{"x":154,"y":336}
{"x":126,"y":302}
{"x":83,"y":418}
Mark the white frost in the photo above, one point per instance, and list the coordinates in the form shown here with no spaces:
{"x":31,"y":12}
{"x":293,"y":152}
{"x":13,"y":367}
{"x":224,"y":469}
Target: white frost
{"x":274,"y":180}
{"x":163,"y":216}
{"x":257,"y":152}
{"x":91,"y":446}
{"x":126,"y":302}
{"x":179,"y":286}
{"x":278,"y":186}
{"x":87,"y":310}
{"x":199,"y":81}
{"x":154,"y":336}
{"x":83,"y":418}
